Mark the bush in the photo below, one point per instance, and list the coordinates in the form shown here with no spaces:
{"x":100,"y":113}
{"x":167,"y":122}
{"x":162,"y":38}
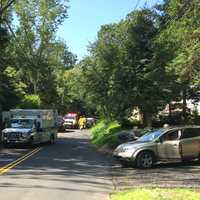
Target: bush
{"x":30,"y":102}
{"x":105,"y":132}
{"x":112,"y":134}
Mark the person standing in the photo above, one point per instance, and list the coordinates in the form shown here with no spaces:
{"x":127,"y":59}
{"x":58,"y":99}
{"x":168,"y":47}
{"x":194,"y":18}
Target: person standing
{"x":135,"y":133}
{"x":82,"y":122}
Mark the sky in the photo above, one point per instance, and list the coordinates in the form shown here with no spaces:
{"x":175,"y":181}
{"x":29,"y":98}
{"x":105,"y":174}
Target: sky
{"x":85,"y":18}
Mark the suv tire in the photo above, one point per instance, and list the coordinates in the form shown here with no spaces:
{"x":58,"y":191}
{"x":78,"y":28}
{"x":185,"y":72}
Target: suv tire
{"x":145,"y":160}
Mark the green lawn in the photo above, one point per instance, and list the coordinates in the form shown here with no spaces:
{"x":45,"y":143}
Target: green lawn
{"x":157,"y":194}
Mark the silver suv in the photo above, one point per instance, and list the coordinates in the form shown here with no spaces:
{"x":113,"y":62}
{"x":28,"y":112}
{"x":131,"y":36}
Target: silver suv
{"x":168,"y":144}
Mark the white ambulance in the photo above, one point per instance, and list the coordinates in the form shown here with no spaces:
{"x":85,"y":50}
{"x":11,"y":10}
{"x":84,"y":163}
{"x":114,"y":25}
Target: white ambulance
{"x":30,"y":127}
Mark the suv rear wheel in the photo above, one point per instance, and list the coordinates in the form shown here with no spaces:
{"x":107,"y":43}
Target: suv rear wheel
{"x":145,"y":160}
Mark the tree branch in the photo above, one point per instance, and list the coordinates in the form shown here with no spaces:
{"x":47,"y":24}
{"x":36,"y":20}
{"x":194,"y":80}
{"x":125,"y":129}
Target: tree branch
{"x":3,"y":9}
{"x":10,"y":28}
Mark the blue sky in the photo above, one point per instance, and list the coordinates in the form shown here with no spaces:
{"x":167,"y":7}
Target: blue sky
{"x":87,"y":16}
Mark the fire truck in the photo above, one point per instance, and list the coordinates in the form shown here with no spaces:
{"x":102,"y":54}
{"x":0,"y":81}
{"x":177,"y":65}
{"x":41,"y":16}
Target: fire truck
{"x":71,"y":120}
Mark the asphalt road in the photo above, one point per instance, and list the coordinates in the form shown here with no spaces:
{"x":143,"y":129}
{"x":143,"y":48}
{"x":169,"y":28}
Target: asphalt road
{"x":72,"y":169}
{"x":69,"y":169}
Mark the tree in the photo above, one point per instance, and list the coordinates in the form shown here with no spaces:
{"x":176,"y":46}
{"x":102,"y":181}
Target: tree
{"x":12,"y":89}
{"x":37,"y":57}
{"x":125,"y":69}
{"x":34,"y":41}
{"x":4,"y":6}
{"x":30,"y":102}
{"x":36,"y":52}
{"x":180,"y":35}
{"x":70,"y":91}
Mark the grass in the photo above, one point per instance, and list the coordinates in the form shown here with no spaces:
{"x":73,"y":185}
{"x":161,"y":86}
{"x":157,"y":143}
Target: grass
{"x":157,"y":194}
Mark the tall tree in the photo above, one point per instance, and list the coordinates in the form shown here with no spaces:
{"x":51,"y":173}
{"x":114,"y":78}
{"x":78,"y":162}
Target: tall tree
{"x":36,"y":52}
{"x":125,"y":68}
{"x":180,"y":35}
{"x":35,"y":37}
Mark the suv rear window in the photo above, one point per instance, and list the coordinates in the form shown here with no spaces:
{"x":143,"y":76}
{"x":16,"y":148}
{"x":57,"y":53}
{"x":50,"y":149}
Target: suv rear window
{"x":191,"y":132}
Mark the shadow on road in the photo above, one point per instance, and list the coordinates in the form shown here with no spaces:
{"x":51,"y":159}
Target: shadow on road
{"x":70,"y":161}
{"x":73,"y":164}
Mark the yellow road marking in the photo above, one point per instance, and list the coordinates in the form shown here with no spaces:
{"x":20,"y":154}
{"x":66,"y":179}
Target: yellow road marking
{"x":9,"y":166}
{"x":19,"y":158}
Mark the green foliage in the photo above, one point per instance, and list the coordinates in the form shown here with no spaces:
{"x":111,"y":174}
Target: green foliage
{"x":105,"y":132}
{"x":125,"y":68}
{"x":4,"y":9}
{"x":69,"y":91}
{"x":157,"y":194}
{"x":180,"y":36}
{"x":39,"y":58}
{"x":30,"y":102}
{"x":183,"y":33}
{"x":36,"y":51}
{"x":4,"y":38}
{"x":146,"y":60}
{"x":11,"y":87}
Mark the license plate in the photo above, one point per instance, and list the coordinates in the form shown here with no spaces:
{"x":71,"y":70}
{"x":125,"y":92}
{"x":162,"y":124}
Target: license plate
{"x":13,"y":136}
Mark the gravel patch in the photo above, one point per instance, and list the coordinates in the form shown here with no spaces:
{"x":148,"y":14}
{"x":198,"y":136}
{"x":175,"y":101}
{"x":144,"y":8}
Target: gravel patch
{"x":169,"y":175}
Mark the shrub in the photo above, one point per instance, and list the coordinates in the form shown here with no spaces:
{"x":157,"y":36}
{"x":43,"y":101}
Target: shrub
{"x":112,"y":134}
{"x":105,"y":132}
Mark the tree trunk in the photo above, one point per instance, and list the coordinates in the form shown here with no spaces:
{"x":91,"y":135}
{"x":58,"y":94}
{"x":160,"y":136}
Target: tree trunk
{"x":184,"y":108}
{"x":35,"y":87}
{"x":170,"y":113}
{"x":147,"y":119}
{"x":1,"y":122}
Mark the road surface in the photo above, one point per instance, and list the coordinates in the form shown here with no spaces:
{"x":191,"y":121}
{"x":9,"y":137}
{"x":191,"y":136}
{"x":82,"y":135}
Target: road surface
{"x":70,"y":169}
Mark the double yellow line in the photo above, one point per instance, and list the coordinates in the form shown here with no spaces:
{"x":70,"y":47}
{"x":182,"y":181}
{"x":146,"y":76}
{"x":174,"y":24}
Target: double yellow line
{"x":9,"y":166}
